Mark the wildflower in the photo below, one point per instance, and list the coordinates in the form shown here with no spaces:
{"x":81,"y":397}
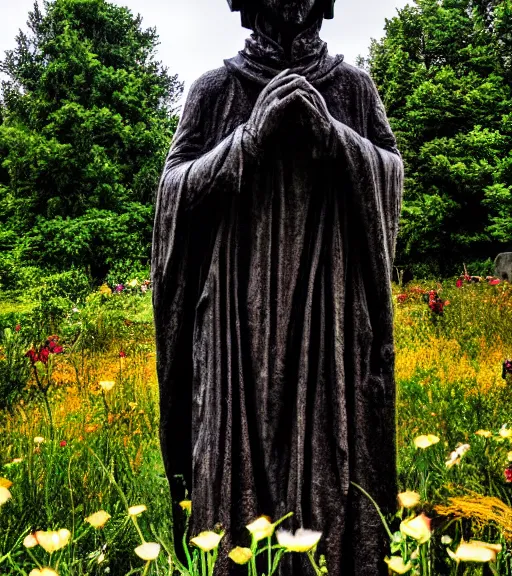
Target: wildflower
{"x":207,"y":541}
{"x":63,"y":443}
{"x":417,"y":528}
{"x":505,"y":432}
{"x":17,"y":328}
{"x":186,"y":505}
{"x":98,"y":519}
{"x":91,"y":428}
{"x":508,"y":473}
{"x":38,"y":440}
{"x":396,"y":564}
{"x":75,"y":311}
{"x":459,"y":283}
{"x":105,"y":290}
{"x":457,"y":454}
{"x":107,"y":385}
{"x":484,"y":433}
{"x":401,"y":298}
{"x":53,"y":540}
{"x":446,"y":539}
{"x":4,"y":483}
{"x":507,"y":369}
{"x":133,"y":283}
{"x":30,"y":541}
{"x":475,"y":551}
{"x":408,"y":499}
{"x":119,"y":288}
{"x":5,"y":495}
{"x":148,"y":551}
{"x":33,"y":355}
{"x":122,"y":354}
{"x":261,"y":528}
{"x":302,"y":541}
{"x":425,"y":441}
{"x":509,"y":456}
{"x":136,"y":510}
{"x":43,"y":572}
{"x":17,"y":460}
{"x":494,"y":282}
{"x":240,"y":555}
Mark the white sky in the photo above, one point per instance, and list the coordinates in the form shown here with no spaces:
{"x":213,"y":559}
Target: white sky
{"x":196,"y":35}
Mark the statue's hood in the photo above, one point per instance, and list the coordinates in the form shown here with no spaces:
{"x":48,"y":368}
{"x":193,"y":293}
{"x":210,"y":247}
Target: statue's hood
{"x":263,"y":58}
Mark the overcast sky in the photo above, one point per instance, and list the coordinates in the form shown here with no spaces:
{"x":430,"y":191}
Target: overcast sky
{"x":196,"y":35}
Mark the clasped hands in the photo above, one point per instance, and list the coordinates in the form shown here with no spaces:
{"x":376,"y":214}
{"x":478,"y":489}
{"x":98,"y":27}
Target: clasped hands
{"x":291,"y":92}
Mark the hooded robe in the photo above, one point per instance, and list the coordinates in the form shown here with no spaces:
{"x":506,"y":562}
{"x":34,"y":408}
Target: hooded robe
{"x":273,"y":312}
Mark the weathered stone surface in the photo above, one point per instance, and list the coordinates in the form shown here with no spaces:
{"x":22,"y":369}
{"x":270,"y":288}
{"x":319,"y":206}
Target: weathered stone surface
{"x":275,"y":229}
{"x":503,"y":266}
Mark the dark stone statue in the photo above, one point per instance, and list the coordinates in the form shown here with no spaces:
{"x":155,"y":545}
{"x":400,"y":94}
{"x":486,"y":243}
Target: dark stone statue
{"x":275,"y":230}
{"x":503,"y":266}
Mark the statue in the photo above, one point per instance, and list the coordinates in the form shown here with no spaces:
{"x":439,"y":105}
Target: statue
{"x":275,"y":230}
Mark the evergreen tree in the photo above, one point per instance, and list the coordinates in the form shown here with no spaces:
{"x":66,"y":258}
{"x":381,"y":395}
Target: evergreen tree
{"x":88,"y":117}
{"x":444,"y":70}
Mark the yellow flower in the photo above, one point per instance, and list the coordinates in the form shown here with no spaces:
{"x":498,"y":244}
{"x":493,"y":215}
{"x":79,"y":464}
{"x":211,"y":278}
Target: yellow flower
{"x":240,"y":555}
{"x":505,"y":432}
{"x":302,"y":541}
{"x":43,"y":572}
{"x":5,"y":483}
{"x":53,"y":540}
{"x":148,"y":551}
{"x":425,"y":441}
{"x":207,"y":541}
{"x":133,"y":283}
{"x":4,"y":495}
{"x":136,"y":510}
{"x":30,"y":541}
{"x":475,"y":551}
{"x":17,"y":461}
{"x":417,"y":528}
{"x":396,"y":564}
{"x":107,"y":385}
{"x":38,"y":440}
{"x":484,"y":433}
{"x":105,"y":290}
{"x":408,"y":499}
{"x":98,"y":519}
{"x":509,"y":456}
{"x":261,"y":528}
{"x":186,"y":505}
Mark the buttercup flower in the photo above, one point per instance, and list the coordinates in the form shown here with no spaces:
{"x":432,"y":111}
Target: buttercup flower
{"x":98,"y":519}
{"x":475,"y":551}
{"x":408,"y":499}
{"x":240,"y":555}
{"x":207,"y":541}
{"x":186,"y":505}
{"x":396,"y":564}
{"x":107,"y":385}
{"x":136,"y":510}
{"x":5,"y":495}
{"x":261,"y":528}
{"x":43,"y":572}
{"x":30,"y":541}
{"x":148,"y":551}
{"x":417,"y":528}
{"x":425,"y":441}
{"x":302,"y":541}
{"x":53,"y":540}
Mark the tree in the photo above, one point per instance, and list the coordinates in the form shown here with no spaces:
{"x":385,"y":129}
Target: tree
{"x":444,"y":70}
{"x":87,"y":116}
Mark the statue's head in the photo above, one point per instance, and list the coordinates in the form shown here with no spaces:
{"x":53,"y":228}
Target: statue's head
{"x":295,"y":12}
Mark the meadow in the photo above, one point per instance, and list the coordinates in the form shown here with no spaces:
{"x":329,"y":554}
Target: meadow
{"x":79,"y":449}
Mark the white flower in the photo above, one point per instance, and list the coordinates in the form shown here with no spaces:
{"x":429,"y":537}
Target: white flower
{"x":425,"y":441}
{"x":302,"y":541}
{"x":261,"y":528}
{"x":5,"y":495}
{"x":107,"y":385}
{"x":417,"y":528}
{"x":396,"y":564}
{"x":38,"y":440}
{"x":148,"y":551}
{"x":207,"y":541}
{"x":475,"y":551}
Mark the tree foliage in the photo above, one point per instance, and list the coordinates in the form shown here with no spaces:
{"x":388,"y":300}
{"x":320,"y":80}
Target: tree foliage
{"x":444,"y":70}
{"x":87,"y":117}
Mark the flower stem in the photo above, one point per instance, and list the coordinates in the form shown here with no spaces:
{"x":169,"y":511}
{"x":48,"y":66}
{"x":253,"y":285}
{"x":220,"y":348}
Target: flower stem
{"x":376,"y":507}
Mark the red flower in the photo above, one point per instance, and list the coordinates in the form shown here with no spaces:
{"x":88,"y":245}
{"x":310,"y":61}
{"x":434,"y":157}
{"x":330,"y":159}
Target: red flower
{"x":57,"y":350}
{"x":18,"y":327}
{"x":122,"y":354}
{"x":460,"y":283}
{"x":32,"y":354}
{"x":494,"y":282}
{"x":401,"y":298}
{"x":63,"y":443}
{"x":508,"y":473}
{"x":43,"y":355}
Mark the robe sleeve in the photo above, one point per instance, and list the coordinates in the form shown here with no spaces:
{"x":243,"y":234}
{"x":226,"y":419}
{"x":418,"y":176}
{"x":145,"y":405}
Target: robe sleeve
{"x":374,"y":167}
{"x":200,"y":175}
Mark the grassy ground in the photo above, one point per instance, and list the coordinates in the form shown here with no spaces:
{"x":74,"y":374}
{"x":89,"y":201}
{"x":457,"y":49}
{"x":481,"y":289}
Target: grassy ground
{"x":100,"y":449}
